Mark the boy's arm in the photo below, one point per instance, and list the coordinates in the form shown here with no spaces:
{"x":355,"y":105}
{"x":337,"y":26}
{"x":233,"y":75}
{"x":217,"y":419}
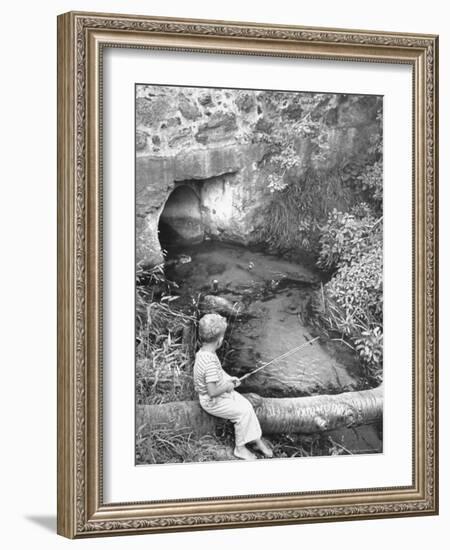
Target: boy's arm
{"x":216,"y":388}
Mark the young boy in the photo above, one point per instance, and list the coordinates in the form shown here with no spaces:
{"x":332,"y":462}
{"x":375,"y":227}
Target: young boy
{"x":216,"y":393}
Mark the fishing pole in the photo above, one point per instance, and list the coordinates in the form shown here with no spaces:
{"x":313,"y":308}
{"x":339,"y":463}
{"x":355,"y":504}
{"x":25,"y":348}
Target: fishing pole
{"x":283,"y":356}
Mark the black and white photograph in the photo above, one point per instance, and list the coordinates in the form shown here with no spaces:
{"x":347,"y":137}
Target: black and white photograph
{"x":259,"y":274}
{"x":237,"y":234}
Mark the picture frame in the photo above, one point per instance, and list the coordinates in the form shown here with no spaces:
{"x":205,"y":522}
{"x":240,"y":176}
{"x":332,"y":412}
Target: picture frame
{"x":82,"y":41}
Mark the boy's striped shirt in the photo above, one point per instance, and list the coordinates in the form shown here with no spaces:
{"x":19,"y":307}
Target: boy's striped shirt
{"x":207,"y":368}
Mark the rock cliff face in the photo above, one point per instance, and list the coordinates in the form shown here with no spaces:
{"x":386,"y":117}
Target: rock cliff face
{"x":201,"y":155}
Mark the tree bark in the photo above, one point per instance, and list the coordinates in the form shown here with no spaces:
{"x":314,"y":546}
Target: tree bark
{"x":276,"y":415}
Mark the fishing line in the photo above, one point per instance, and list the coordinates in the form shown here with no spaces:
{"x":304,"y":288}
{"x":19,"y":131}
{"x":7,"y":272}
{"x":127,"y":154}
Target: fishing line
{"x":286,"y":354}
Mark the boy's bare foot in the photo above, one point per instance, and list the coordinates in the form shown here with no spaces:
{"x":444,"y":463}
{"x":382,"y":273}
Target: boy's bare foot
{"x":262,"y":446}
{"x":244,"y":453}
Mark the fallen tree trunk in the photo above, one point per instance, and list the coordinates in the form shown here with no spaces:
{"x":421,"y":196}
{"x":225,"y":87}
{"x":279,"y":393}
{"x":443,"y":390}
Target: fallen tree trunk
{"x":276,"y":415}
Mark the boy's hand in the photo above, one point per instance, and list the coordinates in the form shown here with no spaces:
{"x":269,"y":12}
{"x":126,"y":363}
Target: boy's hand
{"x":236,"y":381}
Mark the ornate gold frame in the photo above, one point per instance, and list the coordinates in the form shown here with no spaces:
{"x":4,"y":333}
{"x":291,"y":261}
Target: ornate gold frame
{"x":81,"y":37}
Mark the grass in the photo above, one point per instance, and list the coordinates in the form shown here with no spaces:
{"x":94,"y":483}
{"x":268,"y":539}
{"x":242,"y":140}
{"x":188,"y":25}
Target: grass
{"x":168,"y":446}
{"x":164,"y":356}
{"x":165,"y":342}
{"x":293,"y":218}
{"x":164,"y":376}
{"x":165,"y":445}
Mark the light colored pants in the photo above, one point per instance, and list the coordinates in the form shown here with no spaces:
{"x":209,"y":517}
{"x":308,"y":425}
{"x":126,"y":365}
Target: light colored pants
{"x":233,"y":406}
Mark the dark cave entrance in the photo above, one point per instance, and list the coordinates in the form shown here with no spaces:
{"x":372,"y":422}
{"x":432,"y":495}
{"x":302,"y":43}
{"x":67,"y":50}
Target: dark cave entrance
{"x":181,"y":219}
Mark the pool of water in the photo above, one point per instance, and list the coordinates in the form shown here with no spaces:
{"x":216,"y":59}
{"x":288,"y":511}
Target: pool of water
{"x":272,"y":298}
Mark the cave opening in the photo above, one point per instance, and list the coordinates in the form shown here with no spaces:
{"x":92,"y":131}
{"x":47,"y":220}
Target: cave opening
{"x":181,"y":219}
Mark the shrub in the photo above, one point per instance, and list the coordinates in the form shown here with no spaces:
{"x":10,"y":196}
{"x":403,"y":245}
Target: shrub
{"x":347,"y":236}
{"x":371,"y":182}
{"x":357,"y":288}
{"x":351,"y":304}
{"x":370,"y":348}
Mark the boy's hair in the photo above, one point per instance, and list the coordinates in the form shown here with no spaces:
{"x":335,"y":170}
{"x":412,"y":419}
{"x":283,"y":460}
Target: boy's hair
{"x":211,"y":326}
